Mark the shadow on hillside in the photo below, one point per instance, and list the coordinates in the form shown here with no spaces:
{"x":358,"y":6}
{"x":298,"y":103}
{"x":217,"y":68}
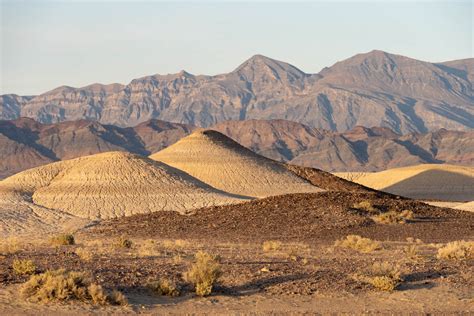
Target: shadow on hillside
{"x":435,"y":184}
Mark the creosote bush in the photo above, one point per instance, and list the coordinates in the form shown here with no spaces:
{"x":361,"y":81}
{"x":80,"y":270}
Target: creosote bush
{"x":164,"y":287}
{"x":393,"y":217}
{"x":358,"y":243}
{"x":271,"y":245}
{"x":23,"y":267}
{"x":63,"y":240}
{"x":365,"y":206}
{"x":383,"y":276}
{"x":457,"y":250}
{"x":204,"y":273}
{"x":61,"y":285}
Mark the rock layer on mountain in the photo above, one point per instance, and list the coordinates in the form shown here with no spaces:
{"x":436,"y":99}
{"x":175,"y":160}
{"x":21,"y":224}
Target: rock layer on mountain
{"x":371,"y":89}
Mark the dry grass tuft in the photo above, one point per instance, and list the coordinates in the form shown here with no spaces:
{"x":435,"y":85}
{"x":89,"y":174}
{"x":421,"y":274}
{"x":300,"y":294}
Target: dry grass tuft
{"x":164,"y":287}
{"x":383,"y":276}
{"x":61,"y":285}
{"x":23,"y":267}
{"x":365,"y":206}
{"x":457,"y":250}
{"x":84,"y":254}
{"x":176,"y":244}
{"x":411,"y":253}
{"x":123,"y":242}
{"x":271,"y":245}
{"x":358,"y":243}
{"x":393,"y":217}
{"x":148,"y":249}
{"x":63,"y":240}
{"x":10,"y":245}
{"x":204,"y":273}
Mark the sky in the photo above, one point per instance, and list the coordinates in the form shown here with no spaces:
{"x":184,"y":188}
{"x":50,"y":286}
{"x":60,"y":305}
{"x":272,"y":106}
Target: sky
{"x":46,"y":44}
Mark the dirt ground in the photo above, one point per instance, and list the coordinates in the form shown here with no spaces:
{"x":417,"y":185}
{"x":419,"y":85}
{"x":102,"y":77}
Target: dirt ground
{"x":306,"y":273}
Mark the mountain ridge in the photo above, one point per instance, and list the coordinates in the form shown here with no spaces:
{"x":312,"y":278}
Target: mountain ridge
{"x":370,"y":89}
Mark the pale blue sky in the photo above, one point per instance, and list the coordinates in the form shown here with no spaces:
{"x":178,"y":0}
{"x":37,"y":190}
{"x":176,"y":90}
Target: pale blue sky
{"x":45,"y":44}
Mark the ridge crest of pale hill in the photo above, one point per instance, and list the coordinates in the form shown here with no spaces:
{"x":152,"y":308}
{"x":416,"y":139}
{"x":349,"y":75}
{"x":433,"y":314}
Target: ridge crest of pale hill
{"x":224,"y":164}
{"x":113,"y":184}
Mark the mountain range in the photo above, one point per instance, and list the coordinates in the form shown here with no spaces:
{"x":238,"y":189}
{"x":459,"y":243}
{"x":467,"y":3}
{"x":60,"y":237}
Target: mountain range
{"x":377,"y":88}
{"x":25,"y":143}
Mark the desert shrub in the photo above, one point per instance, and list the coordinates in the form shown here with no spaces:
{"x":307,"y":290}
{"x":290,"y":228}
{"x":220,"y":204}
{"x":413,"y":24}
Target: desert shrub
{"x":383,"y":276}
{"x":84,"y":254}
{"x":148,"y":249}
{"x":411,"y":252}
{"x":271,"y":245}
{"x":117,"y":298}
{"x":358,"y":243}
{"x":9,"y":245}
{"x":164,"y":287}
{"x":365,"y":206}
{"x":124,"y":242}
{"x":22,"y":267}
{"x":204,"y":273}
{"x":63,"y":240}
{"x":62,"y":285}
{"x":457,"y":250}
{"x":393,"y":217}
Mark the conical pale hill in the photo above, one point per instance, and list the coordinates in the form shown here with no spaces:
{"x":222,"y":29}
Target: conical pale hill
{"x":113,"y":184}
{"x":224,"y":164}
{"x":428,"y":181}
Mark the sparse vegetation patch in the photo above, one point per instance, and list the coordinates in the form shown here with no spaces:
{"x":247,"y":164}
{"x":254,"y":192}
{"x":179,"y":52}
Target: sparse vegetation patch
{"x":63,"y":240}
{"x":164,"y":287}
{"x":457,"y":250}
{"x":22,"y":267}
{"x":61,"y":285}
{"x":358,"y":243}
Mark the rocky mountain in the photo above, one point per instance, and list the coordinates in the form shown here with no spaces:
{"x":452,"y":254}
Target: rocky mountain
{"x":25,"y":143}
{"x":371,"y":89}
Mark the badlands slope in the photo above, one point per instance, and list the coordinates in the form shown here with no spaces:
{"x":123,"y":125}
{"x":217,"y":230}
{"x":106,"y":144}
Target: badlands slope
{"x":226,"y":165}
{"x":101,"y":186}
{"x":428,"y":181}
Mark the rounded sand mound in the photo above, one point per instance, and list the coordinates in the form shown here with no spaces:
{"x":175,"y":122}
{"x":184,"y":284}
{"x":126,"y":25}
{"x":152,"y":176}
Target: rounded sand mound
{"x":113,"y":184}
{"x":224,"y":164}
{"x":429,"y":181}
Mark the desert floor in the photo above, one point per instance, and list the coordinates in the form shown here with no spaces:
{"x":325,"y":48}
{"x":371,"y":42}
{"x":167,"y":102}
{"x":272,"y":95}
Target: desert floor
{"x":303,"y":272}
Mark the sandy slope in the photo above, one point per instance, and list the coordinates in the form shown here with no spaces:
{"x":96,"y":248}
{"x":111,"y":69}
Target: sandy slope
{"x":466,"y":206}
{"x":224,"y":164}
{"x":428,"y":181}
{"x":100,"y":186}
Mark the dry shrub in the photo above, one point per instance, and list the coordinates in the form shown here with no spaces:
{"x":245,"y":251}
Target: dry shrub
{"x":176,"y":244}
{"x":123,"y":242}
{"x":204,"y":273}
{"x":148,"y":249}
{"x":393,"y":217}
{"x":271,"y":245}
{"x":358,"y":243}
{"x":63,"y":240}
{"x":10,"y":245}
{"x":84,"y":254}
{"x":61,"y":285}
{"x":365,"y":206}
{"x":457,"y":250}
{"x":23,"y":267}
{"x":383,"y":276}
{"x":411,"y":253}
{"x":164,"y":287}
